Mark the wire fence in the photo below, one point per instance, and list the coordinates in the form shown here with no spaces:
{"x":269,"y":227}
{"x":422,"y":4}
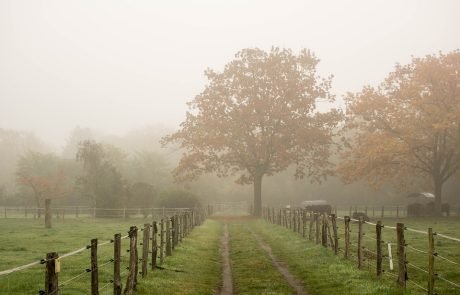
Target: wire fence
{"x":88,"y":212}
{"x":101,"y":264}
{"x":421,"y":259}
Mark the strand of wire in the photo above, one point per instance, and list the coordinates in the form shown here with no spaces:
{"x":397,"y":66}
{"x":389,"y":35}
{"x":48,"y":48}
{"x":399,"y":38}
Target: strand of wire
{"x":449,"y":282}
{"x":390,"y":273}
{"x":72,"y":279}
{"x":15,"y":269}
{"x":370,"y":238}
{"x":448,"y":237}
{"x":417,"y":285}
{"x":104,"y":286}
{"x":415,"y":249}
{"x":417,"y":267}
{"x":416,"y":231}
{"x":447,"y":259}
{"x":367,"y":250}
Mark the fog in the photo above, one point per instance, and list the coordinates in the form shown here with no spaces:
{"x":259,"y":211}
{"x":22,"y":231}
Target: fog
{"x":114,"y":66}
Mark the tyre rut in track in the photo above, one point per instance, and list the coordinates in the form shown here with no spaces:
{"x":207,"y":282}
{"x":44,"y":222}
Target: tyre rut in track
{"x":227,"y":281}
{"x":294,"y":282}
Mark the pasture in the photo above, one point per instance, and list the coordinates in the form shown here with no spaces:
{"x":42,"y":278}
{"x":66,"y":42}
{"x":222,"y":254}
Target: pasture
{"x":195,"y":266}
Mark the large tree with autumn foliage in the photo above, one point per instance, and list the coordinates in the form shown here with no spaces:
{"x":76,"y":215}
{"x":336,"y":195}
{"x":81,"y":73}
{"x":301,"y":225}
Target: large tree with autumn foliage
{"x":407,"y":128}
{"x":257,"y":117}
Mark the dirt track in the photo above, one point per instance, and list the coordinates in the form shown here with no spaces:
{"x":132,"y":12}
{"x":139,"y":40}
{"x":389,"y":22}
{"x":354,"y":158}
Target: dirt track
{"x":227,"y":282}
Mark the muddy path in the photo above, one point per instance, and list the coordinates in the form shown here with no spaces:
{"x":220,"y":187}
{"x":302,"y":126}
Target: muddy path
{"x":227,"y":281}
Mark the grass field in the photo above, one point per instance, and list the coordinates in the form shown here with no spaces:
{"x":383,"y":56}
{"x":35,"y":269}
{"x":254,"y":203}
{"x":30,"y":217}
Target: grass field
{"x":195,"y":266}
{"x":447,"y":261}
{"x":26,"y":240}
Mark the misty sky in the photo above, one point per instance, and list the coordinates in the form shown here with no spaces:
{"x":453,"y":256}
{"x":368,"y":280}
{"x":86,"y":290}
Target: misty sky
{"x":117,"y":65}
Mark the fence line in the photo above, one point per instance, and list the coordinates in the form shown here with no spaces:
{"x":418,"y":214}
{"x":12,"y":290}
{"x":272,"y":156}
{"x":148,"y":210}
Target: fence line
{"x":363,"y":248}
{"x":180,"y":226}
{"x":84,"y":211}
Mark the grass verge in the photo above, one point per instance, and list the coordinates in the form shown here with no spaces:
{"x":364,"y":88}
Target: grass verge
{"x":320,"y":269}
{"x":194,"y":267}
{"x":252,"y":269}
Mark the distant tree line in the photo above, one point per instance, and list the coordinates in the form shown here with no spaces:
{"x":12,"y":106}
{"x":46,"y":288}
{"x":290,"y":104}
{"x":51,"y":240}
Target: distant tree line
{"x":258,"y":118}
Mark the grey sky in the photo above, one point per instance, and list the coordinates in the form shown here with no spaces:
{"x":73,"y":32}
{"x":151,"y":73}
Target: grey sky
{"x":117,"y":65}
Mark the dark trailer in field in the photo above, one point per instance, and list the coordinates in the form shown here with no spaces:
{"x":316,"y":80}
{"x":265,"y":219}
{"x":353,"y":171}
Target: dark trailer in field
{"x":422,"y":204}
{"x":317,"y":206}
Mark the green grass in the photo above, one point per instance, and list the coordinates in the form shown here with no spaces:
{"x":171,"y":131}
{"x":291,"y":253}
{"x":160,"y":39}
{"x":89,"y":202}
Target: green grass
{"x":194,"y":267}
{"x":320,"y":270}
{"x":446,"y":248}
{"x":26,"y":240}
{"x":252,"y":269}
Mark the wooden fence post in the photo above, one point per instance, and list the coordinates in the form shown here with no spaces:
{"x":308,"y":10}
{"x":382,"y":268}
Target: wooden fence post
{"x":310,"y":228}
{"x":173,"y":232}
{"x":154,"y":245}
{"x":324,"y":231}
{"x":383,"y":212}
{"x":48,"y":213}
{"x":168,"y":237}
{"x":94,"y":269}
{"x":360,"y":243}
{"x":51,"y":276}
{"x":117,"y":287}
{"x":397,"y":211}
{"x":304,"y":223}
{"x":294,"y":217}
{"x":328,"y":230}
{"x":347,"y":236}
{"x":181,"y":226}
{"x":131,"y":279}
{"x":176,"y":235}
{"x":299,"y":220}
{"x":431,"y":254}
{"x":378,"y":232}
{"x":334,"y":230}
{"x":145,"y":249}
{"x":402,"y":275}
{"x":317,"y":233}
{"x":162,"y":241}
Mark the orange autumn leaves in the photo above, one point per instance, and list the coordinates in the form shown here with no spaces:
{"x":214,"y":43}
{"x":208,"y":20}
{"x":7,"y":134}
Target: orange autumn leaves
{"x":408,"y":127}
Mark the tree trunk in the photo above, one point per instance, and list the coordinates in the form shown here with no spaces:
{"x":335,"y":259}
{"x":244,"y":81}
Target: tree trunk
{"x":48,"y":213}
{"x":438,"y":197}
{"x":258,"y":195}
